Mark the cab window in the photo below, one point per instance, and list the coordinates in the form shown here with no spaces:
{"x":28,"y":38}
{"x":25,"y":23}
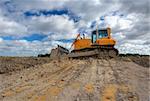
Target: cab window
{"x":103,"y":33}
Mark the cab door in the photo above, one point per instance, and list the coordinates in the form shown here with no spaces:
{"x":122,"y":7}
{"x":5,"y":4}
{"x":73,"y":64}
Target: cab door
{"x":94,"y":37}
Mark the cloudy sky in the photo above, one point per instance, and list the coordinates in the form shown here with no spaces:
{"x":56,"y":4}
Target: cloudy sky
{"x":31,"y":27}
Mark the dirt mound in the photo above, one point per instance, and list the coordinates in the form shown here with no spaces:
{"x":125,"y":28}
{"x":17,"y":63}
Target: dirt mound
{"x":118,"y":79}
{"x":141,"y":60}
{"x":10,"y":64}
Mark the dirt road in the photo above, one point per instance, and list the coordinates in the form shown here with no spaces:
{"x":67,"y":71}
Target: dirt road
{"x":77,"y":80}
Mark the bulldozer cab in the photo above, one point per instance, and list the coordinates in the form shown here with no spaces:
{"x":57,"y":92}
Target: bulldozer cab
{"x":98,"y":34}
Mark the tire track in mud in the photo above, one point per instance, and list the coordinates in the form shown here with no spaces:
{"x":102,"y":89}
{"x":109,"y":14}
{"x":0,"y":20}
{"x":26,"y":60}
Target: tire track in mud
{"x":120,"y":89}
{"x":105,"y":71}
{"x":79,"y":80}
{"x":80,"y":88}
{"x":114,"y":70}
{"x":89,"y":84}
{"x":51,"y":75}
{"x":64,"y":73}
{"x":64,"y":79}
{"x":59,"y":78}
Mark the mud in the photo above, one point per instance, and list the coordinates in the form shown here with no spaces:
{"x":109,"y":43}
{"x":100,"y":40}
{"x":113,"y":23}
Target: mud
{"x":11,"y":64}
{"x":118,"y":79}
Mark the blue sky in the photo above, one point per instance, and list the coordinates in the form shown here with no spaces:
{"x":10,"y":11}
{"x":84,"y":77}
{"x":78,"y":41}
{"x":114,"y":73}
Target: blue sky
{"x":47,"y":12}
{"x":32,"y":27}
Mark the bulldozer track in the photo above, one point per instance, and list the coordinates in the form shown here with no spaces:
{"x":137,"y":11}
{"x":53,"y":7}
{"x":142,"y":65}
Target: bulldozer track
{"x":87,"y":79}
{"x":58,"y":75}
{"x":68,"y":77}
{"x":51,"y":75}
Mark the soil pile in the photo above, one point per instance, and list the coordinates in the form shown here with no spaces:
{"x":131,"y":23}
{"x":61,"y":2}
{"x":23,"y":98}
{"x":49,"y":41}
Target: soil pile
{"x":118,"y":79}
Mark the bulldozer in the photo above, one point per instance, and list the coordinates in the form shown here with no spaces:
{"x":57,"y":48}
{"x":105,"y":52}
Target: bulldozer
{"x":101,"y":44}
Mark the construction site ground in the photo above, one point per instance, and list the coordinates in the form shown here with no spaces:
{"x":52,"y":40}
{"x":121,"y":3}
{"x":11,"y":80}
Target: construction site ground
{"x":42,"y":79}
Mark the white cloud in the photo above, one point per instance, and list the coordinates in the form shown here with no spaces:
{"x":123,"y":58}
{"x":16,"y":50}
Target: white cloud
{"x":119,"y":36}
{"x":59,"y":26}
{"x":125,"y":24}
{"x":122,"y":23}
{"x":1,"y":40}
{"x":134,"y":48}
{"x":27,"y":48}
{"x":10,"y":27}
{"x":24,"y":48}
{"x":92,"y":9}
{"x":66,"y":44}
{"x":111,"y":21}
{"x":129,"y":30}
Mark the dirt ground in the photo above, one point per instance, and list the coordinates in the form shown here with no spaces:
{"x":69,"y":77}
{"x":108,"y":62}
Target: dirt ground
{"x":10,"y":64}
{"x":42,"y":79}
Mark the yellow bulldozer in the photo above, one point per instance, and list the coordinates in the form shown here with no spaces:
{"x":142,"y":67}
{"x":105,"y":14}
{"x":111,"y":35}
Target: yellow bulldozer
{"x":101,"y":44}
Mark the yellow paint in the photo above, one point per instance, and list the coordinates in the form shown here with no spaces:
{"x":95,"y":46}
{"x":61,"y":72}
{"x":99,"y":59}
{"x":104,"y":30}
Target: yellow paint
{"x":87,"y":43}
{"x":106,"y":41}
{"x":89,"y":88}
{"x":82,"y":43}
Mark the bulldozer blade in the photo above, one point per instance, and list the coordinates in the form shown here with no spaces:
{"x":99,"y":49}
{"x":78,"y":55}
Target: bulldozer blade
{"x":63,"y":50}
{"x":83,"y":54}
{"x":58,"y":52}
